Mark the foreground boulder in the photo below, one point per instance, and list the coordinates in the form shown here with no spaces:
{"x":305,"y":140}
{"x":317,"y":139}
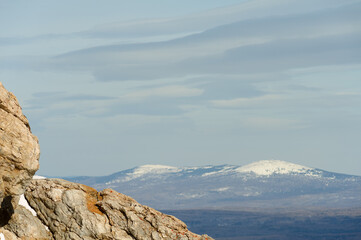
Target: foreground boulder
{"x":75,"y":211}
{"x":19,"y":153}
{"x":24,"y":225}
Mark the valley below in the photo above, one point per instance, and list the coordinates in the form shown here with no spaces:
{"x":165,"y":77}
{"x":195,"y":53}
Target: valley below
{"x":274,"y":224}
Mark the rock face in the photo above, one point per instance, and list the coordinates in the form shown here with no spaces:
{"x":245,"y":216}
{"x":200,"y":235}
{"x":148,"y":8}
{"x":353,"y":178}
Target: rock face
{"x":19,"y":160}
{"x":19,"y":152}
{"x":24,"y":225}
{"x":75,"y":211}
{"x":63,"y":210}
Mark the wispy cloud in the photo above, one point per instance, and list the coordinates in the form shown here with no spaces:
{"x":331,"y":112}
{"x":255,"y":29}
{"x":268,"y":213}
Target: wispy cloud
{"x":247,"y":102}
{"x":50,"y":105}
{"x":268,"y":123}
{"x":209,"y":19}
{"x":197,"y":22}
{"x":248,"y":46}
{"x":172,"y":91}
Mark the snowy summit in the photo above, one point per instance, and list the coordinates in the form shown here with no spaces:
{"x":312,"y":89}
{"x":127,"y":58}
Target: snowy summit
{"x":150,"y":169}
{"x":145,"y":169}
{"x":269,"y":167}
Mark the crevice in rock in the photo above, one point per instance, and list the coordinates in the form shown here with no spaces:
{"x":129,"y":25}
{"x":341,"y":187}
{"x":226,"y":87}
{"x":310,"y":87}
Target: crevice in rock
{"x":111,"y":223}
{"x":6,"y":211}
{"x":9,"y":112}
{"x":38,"y":213}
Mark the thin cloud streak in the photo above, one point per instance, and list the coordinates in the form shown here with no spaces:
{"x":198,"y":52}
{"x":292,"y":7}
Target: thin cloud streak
{"x":172,"y":91}
{"x":247,"y":102}
{"x":244,"y":47}
{"x":138,"y":29}
{"x":209,"y":19}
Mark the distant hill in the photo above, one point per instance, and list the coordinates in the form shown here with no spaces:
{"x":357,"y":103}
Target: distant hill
{"x":263,"y":184}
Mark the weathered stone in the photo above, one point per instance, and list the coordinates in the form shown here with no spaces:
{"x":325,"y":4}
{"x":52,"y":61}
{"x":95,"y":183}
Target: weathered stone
{"x":5,"y":234}
{"x":19,"y":151}
{"x":75,"y":211}
{"x":26,"y":226}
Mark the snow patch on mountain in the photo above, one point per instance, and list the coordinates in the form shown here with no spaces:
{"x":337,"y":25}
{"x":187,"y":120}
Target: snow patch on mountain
{"x":251,"y":194}
{"x":141,"y":171}
{"x":222,"y":189}
{"x":154,"y":169}
{"x":225,"y":169}
{"x":191,"y":196}
{"x":270,"y":167}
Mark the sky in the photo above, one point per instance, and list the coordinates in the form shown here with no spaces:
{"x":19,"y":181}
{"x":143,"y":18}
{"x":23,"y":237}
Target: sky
{"x":117,"y":84}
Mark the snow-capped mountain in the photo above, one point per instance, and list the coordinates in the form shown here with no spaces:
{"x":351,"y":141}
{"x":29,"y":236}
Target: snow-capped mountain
{"x":269,"y":167}
{"x":267,"y":183}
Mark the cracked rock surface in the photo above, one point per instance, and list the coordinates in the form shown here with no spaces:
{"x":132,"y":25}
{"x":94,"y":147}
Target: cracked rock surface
{"x":19,"y":148}
{"x":19,"y":154}
{"x":19,"y":160}
{"x":26,"y":226}
{"x":75,"y":211}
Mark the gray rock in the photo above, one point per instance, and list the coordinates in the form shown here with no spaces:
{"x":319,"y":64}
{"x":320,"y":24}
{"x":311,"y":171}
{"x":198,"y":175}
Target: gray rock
{"x":75,"y":211}
{"x":24,"y":225}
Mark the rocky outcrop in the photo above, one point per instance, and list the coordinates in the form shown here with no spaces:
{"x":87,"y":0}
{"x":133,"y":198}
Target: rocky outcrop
{"x":24,"y":225}
{"x":63,"y":210}
{"x":19,"y":153}
{"x":19,"y":160}
{"x":75,"y":211}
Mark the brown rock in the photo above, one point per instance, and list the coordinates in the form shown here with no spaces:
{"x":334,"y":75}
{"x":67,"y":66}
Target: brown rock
{"x":19,"y":153}
{"x":7,"y":235}
{"x":75,"y":211}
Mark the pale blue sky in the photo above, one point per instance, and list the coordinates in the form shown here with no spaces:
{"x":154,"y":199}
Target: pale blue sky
{"x":115,"y":84}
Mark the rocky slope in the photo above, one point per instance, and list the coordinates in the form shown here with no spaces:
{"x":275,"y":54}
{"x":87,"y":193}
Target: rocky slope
{"x":60,"y":209}
{"x":99,"y":215}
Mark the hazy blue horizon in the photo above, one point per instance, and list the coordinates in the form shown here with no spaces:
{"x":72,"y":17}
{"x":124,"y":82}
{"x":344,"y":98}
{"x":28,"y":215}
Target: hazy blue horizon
{"x":113,"y":85}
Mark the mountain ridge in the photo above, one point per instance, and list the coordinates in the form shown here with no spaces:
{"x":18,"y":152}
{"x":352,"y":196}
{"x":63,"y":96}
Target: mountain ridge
{"x":266,"y":183}
{"x":262,"y":167}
